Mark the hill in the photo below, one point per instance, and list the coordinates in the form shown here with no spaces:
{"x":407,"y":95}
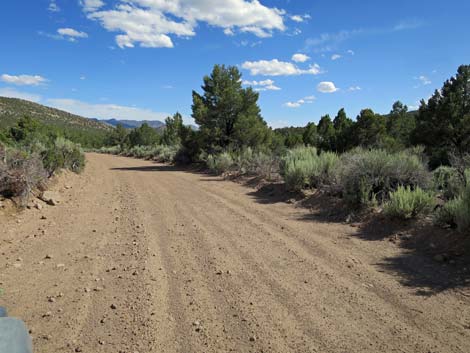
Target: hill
{"x":12,"y":109}
{"x":87,"y":132}
{"x":132,"y":124}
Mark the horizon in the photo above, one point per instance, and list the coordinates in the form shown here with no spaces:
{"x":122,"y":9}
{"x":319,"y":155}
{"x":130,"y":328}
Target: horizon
{"x":90,"y":58}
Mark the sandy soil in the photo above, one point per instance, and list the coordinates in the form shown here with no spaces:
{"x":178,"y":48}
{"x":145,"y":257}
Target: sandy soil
{"x":142,"y":257}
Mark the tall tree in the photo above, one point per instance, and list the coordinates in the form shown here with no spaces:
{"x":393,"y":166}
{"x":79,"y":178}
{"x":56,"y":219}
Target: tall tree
{"x":400,"y":124}
{"x":326,"y":131}
{"x":118,"y":137}
{"x":144,"y":135}
{"x":310,"y":136}
{"x":443,"y":123}
{"x":343,"y":130}
{"x":226,"y":112}
{"x":173,"y":130}
{"x":370,"y":129}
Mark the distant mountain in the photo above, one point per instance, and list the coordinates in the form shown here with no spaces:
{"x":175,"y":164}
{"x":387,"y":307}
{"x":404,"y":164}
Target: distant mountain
{"x":13,"y":109}
{"x":132,"y":124}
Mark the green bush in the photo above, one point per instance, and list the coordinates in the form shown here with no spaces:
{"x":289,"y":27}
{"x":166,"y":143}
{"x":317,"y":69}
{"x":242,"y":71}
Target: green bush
{"x":406,"y":203}
{"x":456,"y":212}
{"x":62,"y":154}
{"x":368,"y":176}
{"x":297,"y":166}
{"x":325,"y":169}
{"x":448,"y":181}
{"x":303,"y":167}
{"x":220,"y":163}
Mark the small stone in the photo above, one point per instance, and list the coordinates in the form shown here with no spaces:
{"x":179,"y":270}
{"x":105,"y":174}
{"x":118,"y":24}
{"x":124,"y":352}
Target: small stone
{"x":43,"y":217}
{"x":87,"y":290}
{"x":51,"y":300}
{"x":252,"y":338}
{"x":48,"y":257}
{"x":78,"y":349}
{"x":101,"y":342}
{"x":60,"y":265}
{"x":51,"y":198}
{"x":103,"y":320}
{"x":113,"y":306}
{"x":38,"y":206}
{"x":19,"y":259}
{"x":47,"y":314}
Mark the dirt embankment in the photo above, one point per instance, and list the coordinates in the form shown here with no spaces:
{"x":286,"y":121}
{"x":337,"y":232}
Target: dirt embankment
{"x":141,"y":257}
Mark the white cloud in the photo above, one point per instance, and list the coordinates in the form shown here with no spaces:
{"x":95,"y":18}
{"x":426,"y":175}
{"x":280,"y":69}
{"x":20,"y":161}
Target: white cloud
{"x":150,"y":23}
{"x":297,"y":18}
{"x":278,"y":68}
{"x":82,"y":77}
{"x":23,"y":80}
{"x":327,"y":42}
{"x":300,"y":58}
{"x":266,"y":85}
{"x":351,"y":52}
{"x":105,"y":111}
{"x":91,"y":5}
{"x":407,"y":24}
{"x":12,"y":93}
{"x":326,"y":87}
{"x":300,"y":102}
{"x":53,"y":7}
{"x":354,"y":88}
{"x":424,"y":80}
{"x":71,"y":34}
{"x":335,"y":57}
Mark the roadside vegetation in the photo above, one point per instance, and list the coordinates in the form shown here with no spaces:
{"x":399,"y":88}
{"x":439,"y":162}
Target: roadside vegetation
{"x":30,"y":153}
{"x":408,"y":164}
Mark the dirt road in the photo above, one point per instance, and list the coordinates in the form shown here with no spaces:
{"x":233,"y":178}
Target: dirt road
{"x":141,"y":257}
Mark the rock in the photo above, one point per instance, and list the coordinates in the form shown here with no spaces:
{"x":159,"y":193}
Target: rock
{"x":252,"y":338}
{"x":60,"y":265}
{"x":87,"y":290}
{"x":51,"y":198}
{"x":113,"y":306}
{"x":68,"y":187}
{"x":101,"y":342}
{"x":51,"y":300}
{"x":38,"y":206}
{"x":78,"y":349}
{"x":48,"y":257}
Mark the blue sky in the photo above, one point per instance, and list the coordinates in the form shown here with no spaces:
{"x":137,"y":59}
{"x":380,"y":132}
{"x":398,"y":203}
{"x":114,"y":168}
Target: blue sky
{"x":140,"y":59}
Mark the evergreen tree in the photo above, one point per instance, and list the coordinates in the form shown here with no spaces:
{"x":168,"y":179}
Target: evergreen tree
{"x":144,"y":135}
{"x":370,"y":129}
{"x":326,"y":131}
{"x":118,"y":137}
{"x":443,"y":123}
{"x":343,"y":130}
{"x":400,"y":124}
{"x":228,"y":115}
{"x":173,"y":130}
{"x":310,"y":136}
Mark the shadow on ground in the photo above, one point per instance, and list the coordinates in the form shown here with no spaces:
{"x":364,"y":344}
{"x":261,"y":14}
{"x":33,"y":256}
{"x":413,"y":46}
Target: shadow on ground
{"x":433,"y":259}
